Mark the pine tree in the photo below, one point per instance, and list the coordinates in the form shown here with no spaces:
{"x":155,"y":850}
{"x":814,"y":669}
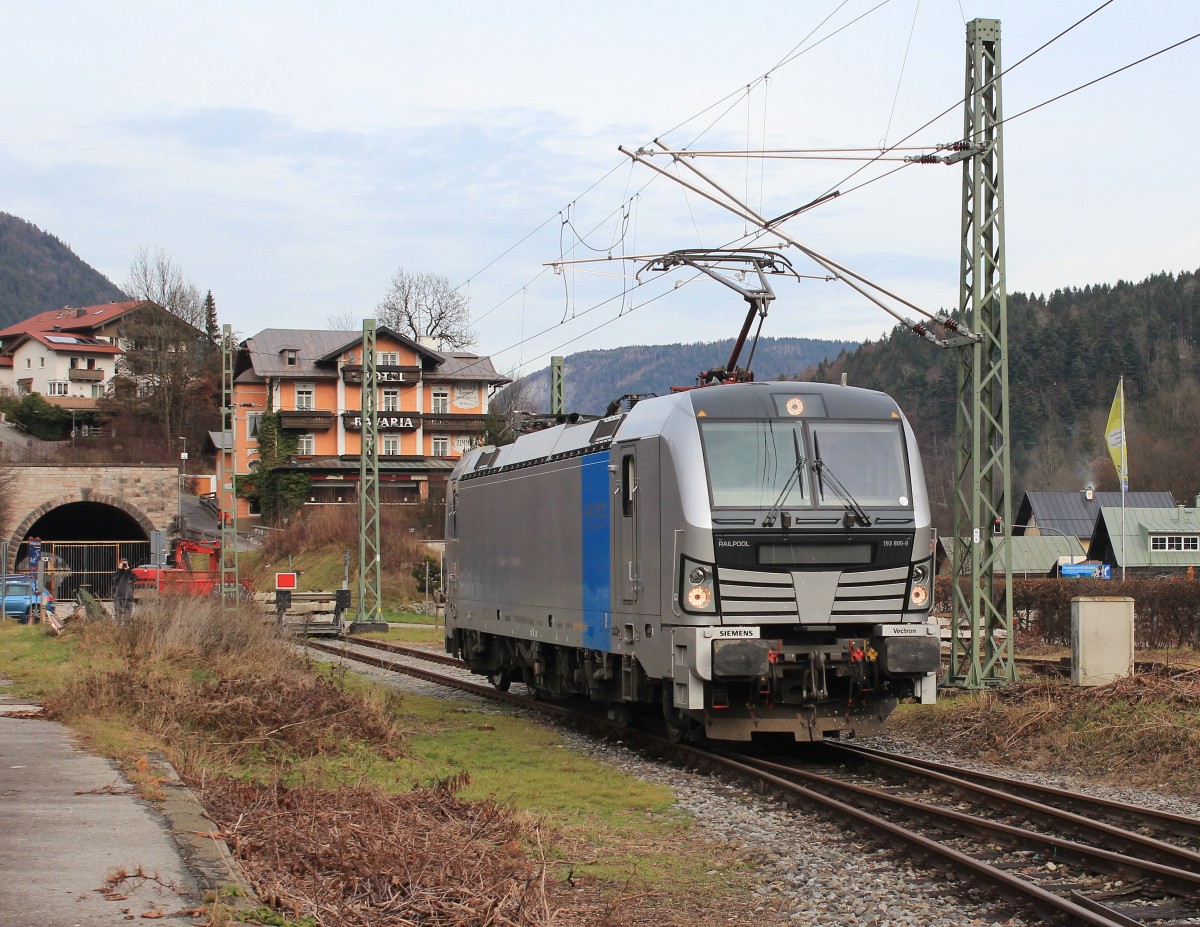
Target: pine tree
{"x":210,"y":317}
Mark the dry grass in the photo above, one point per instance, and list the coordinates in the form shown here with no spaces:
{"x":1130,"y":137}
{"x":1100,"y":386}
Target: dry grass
{"x":1142,"y":731}
{"x":218,"y":688}
{"x":281,"y":753}
{"x":364,"y":857}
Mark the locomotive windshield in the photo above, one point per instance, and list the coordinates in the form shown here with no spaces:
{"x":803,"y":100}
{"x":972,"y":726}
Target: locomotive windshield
{"x":867,"y":458}
{"x":753,"y":465}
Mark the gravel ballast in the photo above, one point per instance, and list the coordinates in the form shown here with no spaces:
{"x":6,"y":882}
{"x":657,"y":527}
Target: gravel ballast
{"x":805,"y":868}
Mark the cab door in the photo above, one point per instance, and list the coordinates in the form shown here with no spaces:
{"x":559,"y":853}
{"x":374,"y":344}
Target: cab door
{"x":638,"y":557}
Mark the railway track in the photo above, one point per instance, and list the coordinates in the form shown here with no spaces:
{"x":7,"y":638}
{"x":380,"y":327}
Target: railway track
{"x":1072,"y":858}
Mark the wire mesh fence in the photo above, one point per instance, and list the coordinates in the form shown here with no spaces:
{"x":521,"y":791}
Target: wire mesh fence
{"x":74,"y":565}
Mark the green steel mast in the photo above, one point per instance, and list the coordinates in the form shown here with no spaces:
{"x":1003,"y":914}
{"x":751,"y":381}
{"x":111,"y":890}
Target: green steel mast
{"x":981,"y":642}
{"x":230,"y":583}
{"x":369,"y":564}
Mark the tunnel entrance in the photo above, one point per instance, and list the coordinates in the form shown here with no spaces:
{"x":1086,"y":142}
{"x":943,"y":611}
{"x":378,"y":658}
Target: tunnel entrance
{"x":81,"y":545}
{"x":87,"y":521}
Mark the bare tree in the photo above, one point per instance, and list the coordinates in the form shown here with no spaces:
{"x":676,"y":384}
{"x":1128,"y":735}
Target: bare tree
{"x":507,"y":409}
{"x":345,"y":321}
{"x":427,"y":306}
{"x":158,"y":278}
{"x":168,"y":367}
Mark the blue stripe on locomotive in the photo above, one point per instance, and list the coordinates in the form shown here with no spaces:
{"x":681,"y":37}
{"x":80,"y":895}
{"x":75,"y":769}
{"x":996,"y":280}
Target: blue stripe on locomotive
{"x":596,"y":519}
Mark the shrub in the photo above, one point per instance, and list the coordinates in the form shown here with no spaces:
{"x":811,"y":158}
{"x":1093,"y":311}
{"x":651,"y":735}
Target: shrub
{"x":1166,"y":610}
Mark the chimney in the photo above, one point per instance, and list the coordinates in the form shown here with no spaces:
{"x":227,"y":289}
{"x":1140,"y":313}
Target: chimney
{"x":80,"y":313}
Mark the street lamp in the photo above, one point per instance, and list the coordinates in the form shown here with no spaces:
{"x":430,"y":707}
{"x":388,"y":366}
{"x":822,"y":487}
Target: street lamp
{"x":182,"y":477}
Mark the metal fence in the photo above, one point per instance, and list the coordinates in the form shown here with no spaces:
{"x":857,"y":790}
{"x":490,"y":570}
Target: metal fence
{"x":72,"y":565}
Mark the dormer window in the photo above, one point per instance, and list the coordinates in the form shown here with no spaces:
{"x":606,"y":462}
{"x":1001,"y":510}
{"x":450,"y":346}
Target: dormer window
{"x":290,"y":357}
{"x":1174,"y":542}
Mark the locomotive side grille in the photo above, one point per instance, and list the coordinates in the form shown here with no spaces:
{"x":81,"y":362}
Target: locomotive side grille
{"x":749,"y":592}
{"x":867,"y":595}
{"x":871,"y":592}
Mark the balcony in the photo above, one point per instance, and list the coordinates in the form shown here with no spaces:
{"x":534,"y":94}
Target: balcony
{"x":453,"y":421}
{"x":307,"y":420}
{"x":83,"y":375}
{"x":353,"y":374}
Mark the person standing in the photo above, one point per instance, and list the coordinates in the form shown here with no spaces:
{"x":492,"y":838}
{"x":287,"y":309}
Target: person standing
{"x":123,"y":592}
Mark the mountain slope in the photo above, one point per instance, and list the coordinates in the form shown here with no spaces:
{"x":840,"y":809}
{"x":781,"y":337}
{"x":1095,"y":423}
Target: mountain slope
{"x":39,"y":272}
{"x":1067,"y":352}
{"x":593,"y":379}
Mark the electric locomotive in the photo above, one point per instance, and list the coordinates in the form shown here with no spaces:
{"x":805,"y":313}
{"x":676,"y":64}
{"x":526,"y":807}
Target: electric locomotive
{"x":747,"y":558}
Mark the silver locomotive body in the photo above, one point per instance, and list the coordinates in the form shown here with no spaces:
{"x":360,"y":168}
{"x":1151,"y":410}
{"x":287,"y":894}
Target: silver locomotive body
{"x":751,"y":557}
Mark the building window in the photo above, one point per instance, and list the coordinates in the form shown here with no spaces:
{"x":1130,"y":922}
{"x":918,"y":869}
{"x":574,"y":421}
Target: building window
{"x":391,"y":445}
{"x":305,"y":393}
{"x":391,"y":400}
{"x":290,"y":358}
{"x":387,"y":359}
{"x":28,"y":363}
{"x":253,"y":420}
{"x":97,"y":391}
{"x":441,"y":402}
{"x":1175,"y":542}
{"x":307,"y":445}
{"x":41,"y":362}
{"x":57,"y":388}
{"x":441,"y":446}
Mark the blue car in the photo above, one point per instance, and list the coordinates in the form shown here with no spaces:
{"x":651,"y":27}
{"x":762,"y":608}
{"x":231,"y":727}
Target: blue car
{"x":20,"y":600}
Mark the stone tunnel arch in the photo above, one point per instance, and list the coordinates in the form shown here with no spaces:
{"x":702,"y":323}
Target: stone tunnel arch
{"x":98,"y":518}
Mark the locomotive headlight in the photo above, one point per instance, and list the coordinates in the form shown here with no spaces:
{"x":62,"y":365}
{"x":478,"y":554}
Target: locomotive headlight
{"x":697,"y":586}
{"x":919,"y":591}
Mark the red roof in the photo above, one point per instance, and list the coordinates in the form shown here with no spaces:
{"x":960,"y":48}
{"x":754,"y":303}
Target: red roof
{"x":70,"y":342}
{"x":69,"y":318}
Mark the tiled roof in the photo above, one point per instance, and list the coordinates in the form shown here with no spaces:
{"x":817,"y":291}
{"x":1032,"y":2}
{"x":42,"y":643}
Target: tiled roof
{"x":469,"y":367}
{"x":266,"y":351}
{"x":318,"y":350}
{"x":1137,"y":525}
{"x":70,"y":343}
{"x":70,"y":318}
{"x":1074,"y":514}
{"x":1036,"y":555}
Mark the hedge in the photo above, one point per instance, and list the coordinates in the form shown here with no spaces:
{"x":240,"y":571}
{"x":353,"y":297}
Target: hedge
{"x":1166,"y":611}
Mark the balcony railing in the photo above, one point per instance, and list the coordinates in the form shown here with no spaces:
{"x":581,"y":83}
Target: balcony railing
{"x":84,"y":375}
{"x":307,"y":420}
{"x":453,"y":421}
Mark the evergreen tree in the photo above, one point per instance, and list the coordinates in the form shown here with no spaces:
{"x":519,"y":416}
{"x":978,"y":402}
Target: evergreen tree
{"x":210,"y":318}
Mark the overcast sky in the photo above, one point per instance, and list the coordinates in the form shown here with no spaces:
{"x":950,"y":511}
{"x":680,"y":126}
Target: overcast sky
{"x":291,"y":156}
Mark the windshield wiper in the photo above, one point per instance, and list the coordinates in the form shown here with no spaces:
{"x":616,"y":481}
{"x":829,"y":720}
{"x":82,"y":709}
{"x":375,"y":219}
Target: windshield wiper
{"x":823,"y":472}
{"x":769,"y":519}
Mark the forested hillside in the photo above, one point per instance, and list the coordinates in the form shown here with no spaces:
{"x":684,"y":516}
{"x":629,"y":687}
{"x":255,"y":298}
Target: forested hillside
{"x":1067,"y":352}
{"x":39,"y":272}
{"x":595,"y":378}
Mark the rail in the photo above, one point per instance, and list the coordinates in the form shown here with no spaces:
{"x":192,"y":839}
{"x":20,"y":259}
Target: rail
{"x":1155,"y":880}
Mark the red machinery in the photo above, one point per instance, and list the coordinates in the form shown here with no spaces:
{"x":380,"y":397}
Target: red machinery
{"x":183,"y":577}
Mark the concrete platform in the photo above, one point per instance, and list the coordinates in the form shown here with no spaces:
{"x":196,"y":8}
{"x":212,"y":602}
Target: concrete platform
{"x":69,"y":820}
